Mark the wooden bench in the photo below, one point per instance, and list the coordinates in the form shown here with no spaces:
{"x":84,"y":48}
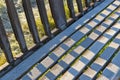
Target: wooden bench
{"x":111,"y":70}
{"x":88,"y":49}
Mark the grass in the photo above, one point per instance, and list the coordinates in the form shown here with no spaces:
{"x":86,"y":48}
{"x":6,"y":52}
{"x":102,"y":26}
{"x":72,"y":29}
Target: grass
{"x":2,"y":59}
{"x":42,"y":76}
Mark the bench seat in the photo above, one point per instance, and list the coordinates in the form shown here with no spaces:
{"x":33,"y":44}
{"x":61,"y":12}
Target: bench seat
{"x":87,"y":46}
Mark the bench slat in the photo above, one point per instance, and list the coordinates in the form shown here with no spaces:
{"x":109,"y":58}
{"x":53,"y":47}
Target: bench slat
{"x":87,"y":57}
{"x":101,"y":61}
{"x":71,"y":8}
{"x":65,"y":63}
{"x":112,"y":69}
{"x":5,"y":42}
{"x":44,"y":17}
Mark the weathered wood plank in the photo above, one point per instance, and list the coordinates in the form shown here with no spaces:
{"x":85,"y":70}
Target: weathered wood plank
{"x":31,"y":20}
{"x":44,"y":17}
{"x":111,"y":71}
{"x":16,"y":25}
{"x":80,"y":7}
{"x":71,"y":9}
{"x":101,"y":61}
{"x":5,"y":45}
{"x":87,"y":57}
{"x":58,"y":13}
{"x":87,"y":3}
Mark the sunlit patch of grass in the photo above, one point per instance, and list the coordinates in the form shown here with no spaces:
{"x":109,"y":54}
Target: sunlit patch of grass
{"x":2,"y":59}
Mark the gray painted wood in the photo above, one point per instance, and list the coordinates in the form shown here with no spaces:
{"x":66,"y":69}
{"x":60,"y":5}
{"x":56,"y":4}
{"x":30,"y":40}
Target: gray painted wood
{"x":58,"y":13}
{"x":87,"y":3}
{"x":71,"y":8}
{"x":80,"y":6}
{"x":5,"y":45}
{"x":101,"y":61}
{"x":31,"y":20}
{"x":44,"y":17}
{"x":16,"y":25}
